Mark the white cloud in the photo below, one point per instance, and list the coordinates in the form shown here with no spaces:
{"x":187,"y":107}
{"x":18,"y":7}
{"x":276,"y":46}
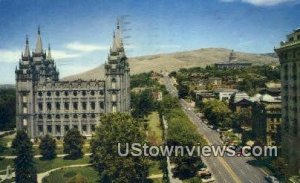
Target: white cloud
{"x":81,"y":47}
{"x":57,"y":54}
{"x":9,"y":56}
{"x":262,"y":2}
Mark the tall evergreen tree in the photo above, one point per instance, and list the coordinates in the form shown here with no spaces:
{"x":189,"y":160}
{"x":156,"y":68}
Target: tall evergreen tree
{"x":73,"y":143}
{"x":118,"y":128}
{"x":47,"y":147}
{"x":24,"y":165}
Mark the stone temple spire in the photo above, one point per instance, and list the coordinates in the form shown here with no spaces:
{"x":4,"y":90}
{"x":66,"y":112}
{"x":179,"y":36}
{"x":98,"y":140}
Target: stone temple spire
{"x":49,"y":57}
{"x":39,"y":45}
{"x":117,"y":44}
{"x":27,"y":50}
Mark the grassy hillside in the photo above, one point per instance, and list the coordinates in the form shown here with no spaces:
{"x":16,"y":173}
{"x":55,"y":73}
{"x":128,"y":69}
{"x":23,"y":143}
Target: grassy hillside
{"x":175,"y":61}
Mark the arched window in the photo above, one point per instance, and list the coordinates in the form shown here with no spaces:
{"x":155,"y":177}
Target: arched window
{"x":114,"y":108}
{"x":113,"y":83}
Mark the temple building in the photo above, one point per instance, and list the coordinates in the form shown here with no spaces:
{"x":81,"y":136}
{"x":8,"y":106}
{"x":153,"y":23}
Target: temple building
{"x":46,"y":105}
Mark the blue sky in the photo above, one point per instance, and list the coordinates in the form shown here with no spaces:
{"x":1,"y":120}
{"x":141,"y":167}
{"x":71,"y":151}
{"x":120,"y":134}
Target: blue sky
{"x":80,"y":32}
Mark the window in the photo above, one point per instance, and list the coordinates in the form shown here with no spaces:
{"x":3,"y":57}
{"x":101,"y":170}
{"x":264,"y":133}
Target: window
{"x":66,"y":93}
{"x":84,"y":116}
{"x":49,"y":106}
{"x":83,"y":93}
{"x":40,"y":128}
{"x":75,"y":126}
{"x":93,"y":105}
{"x":57,"y":128}
{"x":113,"y":83}
{"x":75,"y":105}
{"x":92,"y":93}
{"x":49,"y":116}
{"x":66,"y":106}
{"x":25,"y":110}
{"x":114,"y":108}
{"x":57,"y":116}
{"x":57,"y":93}
{"x":101,"y":92}
{"x":66,"y":128}
{"x":93,"y":128}
{"x":75,"y":93}
{"x":84,"y":105}
{"x":93,"y":115}
{"x":24,"y":122}
{"x":25,"y":99}
{"x":67,"y":116}
{"x":75,"y":116}
{"x":102,"y":105}
{"x":114,"y":97}
{"x":49,"y":129}
{"x":40,"y":106}
{"x":57,"y":105}
{"x":49,"y":94}
{"x":40,"y":94}
{"x":40,"y":116}
{"x":84,"y":128}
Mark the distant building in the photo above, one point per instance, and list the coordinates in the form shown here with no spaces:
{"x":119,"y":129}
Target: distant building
{"x":204,"y":95}
{"x":289,"y":57}
{"x":224,"y":94}
{"x":232,"y":63}
{"x":240,"y":101}
{"x":266,"y":119}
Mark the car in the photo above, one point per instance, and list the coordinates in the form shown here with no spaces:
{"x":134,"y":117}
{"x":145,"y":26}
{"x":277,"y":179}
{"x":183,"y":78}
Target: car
{"x":208,"y":179}
{"x":203,"y":172}
{"x":271,"y":179}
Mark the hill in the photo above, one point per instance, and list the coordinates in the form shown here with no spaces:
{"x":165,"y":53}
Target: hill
{"x":175,"y":61}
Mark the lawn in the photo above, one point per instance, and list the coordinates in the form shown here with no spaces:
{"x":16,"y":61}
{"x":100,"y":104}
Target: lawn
{"x":43,"y":166}
{"x":154,"y":129}
{"x":64,"y":175}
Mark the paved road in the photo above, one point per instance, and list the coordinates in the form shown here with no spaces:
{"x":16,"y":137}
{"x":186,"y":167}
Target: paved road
{"x":224,"y":169}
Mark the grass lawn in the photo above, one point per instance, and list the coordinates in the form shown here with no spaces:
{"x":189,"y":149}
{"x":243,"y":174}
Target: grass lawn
{"x":43,"y":166}
{"x":154,"y":129}
{"x":5,"y":162}
{"x":154,"y":167}
{"x":64,"y":175}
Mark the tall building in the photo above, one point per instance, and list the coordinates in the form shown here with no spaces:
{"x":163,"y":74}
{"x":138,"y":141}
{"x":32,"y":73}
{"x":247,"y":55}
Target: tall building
{"x":46,"y":105}
{"x":289,"y":57}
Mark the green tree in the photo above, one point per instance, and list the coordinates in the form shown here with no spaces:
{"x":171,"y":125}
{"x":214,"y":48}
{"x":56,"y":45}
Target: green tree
{"x":48,"y":147}
{"x":7,"y":109}
{"x":24,"y":165}
{"x":142,"y":103}
{"x":73,"y":143}
{"x":118,"y":128}
{"x":218,"y":113}
{"x":183,"y":90}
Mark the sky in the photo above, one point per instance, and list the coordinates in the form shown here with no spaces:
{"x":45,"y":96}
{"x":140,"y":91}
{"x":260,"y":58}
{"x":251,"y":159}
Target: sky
{"x":80,"y":31}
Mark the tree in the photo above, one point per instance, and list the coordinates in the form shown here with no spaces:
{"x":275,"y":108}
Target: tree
{"x":118,"y":128}
{"x":7,"y":109}
{"x":24,"y":165}
{"x":218,"y":113}
{"x":47,"y":147}
{"x":183,"y":90}
{"x":143,"y":103}
{"x":73,"y":143}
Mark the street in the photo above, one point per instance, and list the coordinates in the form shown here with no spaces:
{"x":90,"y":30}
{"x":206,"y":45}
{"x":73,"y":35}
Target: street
{"x":224,"y":169}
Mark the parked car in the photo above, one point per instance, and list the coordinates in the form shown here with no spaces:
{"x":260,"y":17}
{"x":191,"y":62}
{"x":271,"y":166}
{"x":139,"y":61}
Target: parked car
{"x":208,"y":179}
{"x":271,"y":179}
{"x":203,"y":172}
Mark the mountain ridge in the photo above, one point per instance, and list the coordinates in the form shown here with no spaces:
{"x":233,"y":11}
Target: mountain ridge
{"x":183,"y":59}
